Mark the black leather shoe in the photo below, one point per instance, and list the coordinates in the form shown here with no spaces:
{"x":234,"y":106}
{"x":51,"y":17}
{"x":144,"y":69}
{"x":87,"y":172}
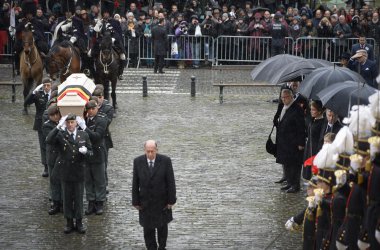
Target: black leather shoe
{"x":55,"y":208}
{"x":99,"y":208}
{"x":45,"y":173}
{"x":91,"y":208}
{"x":79,"y":226}
{"x":69,"y":226}
{"x":161,"y":72}
{"x":285,"y":187}
{"x":292,"y":190}
{"x":280,"y":180}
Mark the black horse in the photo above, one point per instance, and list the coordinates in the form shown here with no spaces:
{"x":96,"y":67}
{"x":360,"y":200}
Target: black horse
{"x":107,"y":68}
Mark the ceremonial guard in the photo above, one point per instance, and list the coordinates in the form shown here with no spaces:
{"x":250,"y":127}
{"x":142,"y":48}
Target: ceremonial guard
{"x":30,"y":22}
{"x":96,"y":126}
{"x":74,"y":149}
{"x":51,"y":157}
{"x":40,"y":96}
{"x":70,"y":28}
{"x":109,"y":26}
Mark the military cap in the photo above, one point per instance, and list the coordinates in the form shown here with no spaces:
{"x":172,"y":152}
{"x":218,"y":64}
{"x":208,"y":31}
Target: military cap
{"x":97,"y":92}
{"x":53,"y":109}
{"x":91,"y":104}
{"x":71,"y":116}
{"x":46,"y":80}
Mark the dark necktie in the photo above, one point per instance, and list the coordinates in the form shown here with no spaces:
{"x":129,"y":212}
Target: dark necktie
{"x":328,"y":129}
{"x":73,"y":136}
{"x":151,"y":166}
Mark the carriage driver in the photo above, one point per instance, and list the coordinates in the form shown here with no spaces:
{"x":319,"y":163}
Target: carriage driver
{"x":70,"y":28}
{"x":29,"y":22}
{"x":109,"y":25}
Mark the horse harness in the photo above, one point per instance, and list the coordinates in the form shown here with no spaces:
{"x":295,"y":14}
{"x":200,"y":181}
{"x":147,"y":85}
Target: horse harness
{"x":105,"y":64}
{"x":33,"y":48}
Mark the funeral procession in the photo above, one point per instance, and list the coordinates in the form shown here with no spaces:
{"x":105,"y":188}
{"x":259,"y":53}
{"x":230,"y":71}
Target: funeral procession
{"x":190,"y":124}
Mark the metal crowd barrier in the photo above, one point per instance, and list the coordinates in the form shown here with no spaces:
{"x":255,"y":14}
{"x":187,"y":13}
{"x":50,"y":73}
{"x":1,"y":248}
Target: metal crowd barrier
{"x":182,"y":48}
{"x":327,"y":48}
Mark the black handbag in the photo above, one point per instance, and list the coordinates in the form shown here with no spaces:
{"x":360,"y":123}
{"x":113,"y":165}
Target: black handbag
{"x":270,"y":146}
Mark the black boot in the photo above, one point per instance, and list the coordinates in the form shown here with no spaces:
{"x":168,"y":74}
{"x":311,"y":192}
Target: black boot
{"x":99,"y":207}
{"x":79,"y":225}
{"x":91,"y":208}
{"x":121,"y":69}
{"x":55,"y":208}
{"x":69,"y":226}
{"x":45,"y":173}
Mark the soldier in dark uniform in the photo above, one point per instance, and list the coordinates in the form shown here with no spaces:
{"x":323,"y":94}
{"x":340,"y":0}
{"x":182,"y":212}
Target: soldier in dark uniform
{"x":74,"y":148}
{"x":96,"y":127}
{"x":306,"y":218}
{"x":51,"y":157}
{"x":107,"y":110}
{"x":40,"y":96}
{"x":160,"y":40}
{"x":30,"y":22}
{"x":108,"y":25}
{"x":70,"y":28}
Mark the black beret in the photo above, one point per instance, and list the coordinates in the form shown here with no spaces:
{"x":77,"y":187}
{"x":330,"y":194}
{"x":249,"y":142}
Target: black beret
{"x":53,"y":109}
{"x":91,"y":104}
{"x":71,"y":116}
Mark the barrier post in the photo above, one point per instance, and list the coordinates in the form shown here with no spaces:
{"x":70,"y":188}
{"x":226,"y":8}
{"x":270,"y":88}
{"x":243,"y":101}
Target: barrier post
{"x":145,"y":87}
{"x":192,"y":86}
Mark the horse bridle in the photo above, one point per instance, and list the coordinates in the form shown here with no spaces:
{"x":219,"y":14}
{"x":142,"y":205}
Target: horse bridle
{"x":67,"y":67}
{"x":32,"y":48}
{"x":104,"y":64}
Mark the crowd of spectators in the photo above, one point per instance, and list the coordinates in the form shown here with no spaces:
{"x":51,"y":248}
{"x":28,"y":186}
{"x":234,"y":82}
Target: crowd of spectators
{"x":218,"y":18}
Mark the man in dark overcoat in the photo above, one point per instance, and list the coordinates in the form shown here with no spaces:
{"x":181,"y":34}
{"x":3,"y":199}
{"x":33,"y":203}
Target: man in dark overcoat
{"x":74,"y":150}
{"x":160,"y":40}
{"x":290,"y":140}
{"x":153,"y":194}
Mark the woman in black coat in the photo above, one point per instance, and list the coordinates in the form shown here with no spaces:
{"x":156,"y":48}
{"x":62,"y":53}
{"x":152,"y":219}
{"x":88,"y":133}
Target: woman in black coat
{"x":313,"y":135}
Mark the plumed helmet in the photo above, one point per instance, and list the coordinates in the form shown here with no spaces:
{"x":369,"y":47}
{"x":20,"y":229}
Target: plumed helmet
{"x":107,"y":6}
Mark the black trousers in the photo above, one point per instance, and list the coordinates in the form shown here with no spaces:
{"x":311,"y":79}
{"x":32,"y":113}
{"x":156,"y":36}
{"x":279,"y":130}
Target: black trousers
{"x":150,"y":237}
{"x":158,"y":62}
{"x":293,"y":174}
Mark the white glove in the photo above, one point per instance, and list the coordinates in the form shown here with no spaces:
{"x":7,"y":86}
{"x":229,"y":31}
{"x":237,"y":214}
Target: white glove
{"x":73,"y":39}
{"x":37,"y":89}
{"x":377,"y":235}
{"x":62,"y":122}
{"x":122,"y":56}
{"x":378,"y":79}
{"x":66,"y":27}
{"x":113,"y":40}
{"x":83,"y":150}
{"x":340,"y":246}
{"x":81,"y":123}
{"x":89,"y":53}
{"x":98,"y":26}
{"x":312,"y":203}
{"x":28,"y":24}
{"x":363,"y":245}
{"x":289,"y":224}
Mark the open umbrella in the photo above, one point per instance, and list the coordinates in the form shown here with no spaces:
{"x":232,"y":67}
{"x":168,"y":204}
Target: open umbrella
{"x":340,"y":97}
{"x":320,"y":78}
{"x":298,"y":68}
{"x":283,"y":68}
{"x":266,"y":69}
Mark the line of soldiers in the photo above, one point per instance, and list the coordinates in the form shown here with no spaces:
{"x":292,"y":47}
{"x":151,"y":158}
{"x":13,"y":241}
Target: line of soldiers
{"x":74,"y":163}
{"x":343,"y":203}
{"x":70,"y":27}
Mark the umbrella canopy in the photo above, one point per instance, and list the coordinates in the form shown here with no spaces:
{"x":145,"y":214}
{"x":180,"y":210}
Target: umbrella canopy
{"x":272,"y":65}
{"x":320,"y":78}
{"x":298,"y":68}
{"x":283,"y":68}
{"x":340,"y":97}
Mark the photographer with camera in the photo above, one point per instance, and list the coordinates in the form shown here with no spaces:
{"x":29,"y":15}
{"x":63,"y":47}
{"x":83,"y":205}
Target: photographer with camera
{"x":195,"y":31}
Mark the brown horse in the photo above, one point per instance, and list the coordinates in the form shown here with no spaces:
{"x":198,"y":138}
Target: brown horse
{"x":31,"y":66}
{"x":63,"y":60}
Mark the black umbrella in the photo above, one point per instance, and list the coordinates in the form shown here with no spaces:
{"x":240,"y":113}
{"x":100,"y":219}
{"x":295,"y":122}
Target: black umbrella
{"x":323,"y":77}
{"x":264,"y":71}
{"x":340,"y":97}
{"x":298,"y":68}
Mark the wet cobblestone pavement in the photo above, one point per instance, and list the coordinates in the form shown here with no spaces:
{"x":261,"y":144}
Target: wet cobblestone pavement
{"x":226,"y":194}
